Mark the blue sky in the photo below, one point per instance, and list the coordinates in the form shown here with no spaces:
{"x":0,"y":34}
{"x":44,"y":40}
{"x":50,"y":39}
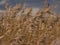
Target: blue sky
{"x":33,"y":3}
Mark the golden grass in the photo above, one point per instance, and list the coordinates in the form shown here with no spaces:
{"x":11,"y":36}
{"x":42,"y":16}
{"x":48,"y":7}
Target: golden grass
{"x":28,"y":29}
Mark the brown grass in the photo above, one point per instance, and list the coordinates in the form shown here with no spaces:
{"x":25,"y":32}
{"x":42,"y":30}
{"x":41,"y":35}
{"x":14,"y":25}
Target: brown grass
{"x":40,"y":29}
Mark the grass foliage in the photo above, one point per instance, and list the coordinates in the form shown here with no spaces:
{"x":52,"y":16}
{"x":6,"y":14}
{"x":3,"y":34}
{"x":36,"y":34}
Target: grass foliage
{"x":26,"y":29}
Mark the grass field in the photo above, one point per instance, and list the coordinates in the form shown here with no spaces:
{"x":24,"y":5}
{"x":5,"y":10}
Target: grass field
{"x":26,"y":29}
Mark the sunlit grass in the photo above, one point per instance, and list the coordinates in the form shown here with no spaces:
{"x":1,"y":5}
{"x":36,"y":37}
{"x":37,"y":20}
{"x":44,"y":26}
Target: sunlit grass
{"x":27,"y":29}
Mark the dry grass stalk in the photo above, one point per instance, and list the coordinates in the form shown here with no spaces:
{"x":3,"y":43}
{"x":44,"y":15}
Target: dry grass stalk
{"x":28,"y":30}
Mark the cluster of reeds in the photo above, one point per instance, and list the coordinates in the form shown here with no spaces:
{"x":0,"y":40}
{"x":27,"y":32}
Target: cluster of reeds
{"x":26,"y":29}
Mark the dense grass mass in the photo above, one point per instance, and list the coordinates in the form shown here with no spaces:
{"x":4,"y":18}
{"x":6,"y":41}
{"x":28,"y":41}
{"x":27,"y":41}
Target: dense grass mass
{"x":26,"y":29}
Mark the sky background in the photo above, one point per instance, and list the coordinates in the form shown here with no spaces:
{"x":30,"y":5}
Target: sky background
{"x":33,"y":3}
